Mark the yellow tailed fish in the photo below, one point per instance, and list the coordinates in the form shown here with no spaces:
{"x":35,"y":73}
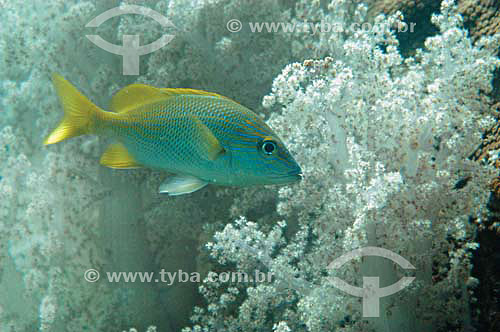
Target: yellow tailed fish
{"x":200,"y":136}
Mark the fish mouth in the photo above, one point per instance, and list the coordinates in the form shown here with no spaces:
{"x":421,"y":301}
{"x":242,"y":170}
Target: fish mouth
{"x":289,"y":178}
{"x":298,"y":176}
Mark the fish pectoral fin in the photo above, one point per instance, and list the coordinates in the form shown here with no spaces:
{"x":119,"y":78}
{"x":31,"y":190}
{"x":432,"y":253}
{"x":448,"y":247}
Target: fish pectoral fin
{"x":209,"y":146}
{"x":134,"y":96}
{"x":181,"y":184}
{"x":117,"y":156}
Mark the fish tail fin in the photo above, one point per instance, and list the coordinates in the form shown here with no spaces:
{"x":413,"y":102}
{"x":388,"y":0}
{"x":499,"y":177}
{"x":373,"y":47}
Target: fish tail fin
{"x":79,"y":112}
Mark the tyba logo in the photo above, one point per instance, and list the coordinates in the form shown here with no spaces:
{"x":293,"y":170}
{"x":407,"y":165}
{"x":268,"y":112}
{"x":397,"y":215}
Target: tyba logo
{"x":130,"y":50}
{"x":371,"y":291}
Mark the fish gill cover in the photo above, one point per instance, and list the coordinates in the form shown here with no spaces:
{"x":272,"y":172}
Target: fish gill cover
{"x":383,"y":140}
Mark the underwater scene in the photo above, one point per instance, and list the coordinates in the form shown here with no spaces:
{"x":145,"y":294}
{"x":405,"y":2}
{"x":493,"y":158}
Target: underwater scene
{"x":245,"y":165}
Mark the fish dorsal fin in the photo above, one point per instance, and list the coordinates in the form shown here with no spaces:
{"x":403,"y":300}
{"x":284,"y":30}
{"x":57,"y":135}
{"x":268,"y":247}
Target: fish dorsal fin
{"x":184,"y":91}
{"x":208,"y":145}
{"x":135,"y":95}
{"x":117,"y":156}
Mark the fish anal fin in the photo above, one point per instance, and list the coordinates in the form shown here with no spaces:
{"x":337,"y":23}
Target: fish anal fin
{"x":117,"y":156}
{"x":181,"y":184}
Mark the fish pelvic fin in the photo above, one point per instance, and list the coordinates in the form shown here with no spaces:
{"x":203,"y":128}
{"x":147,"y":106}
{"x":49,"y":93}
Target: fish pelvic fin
{"x":181,"y":184}
{"x":117,"y":156}
{"x":79,"y":112}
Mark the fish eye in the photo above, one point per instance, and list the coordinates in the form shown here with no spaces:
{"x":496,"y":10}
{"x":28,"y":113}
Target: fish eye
{"x":268,"y":147}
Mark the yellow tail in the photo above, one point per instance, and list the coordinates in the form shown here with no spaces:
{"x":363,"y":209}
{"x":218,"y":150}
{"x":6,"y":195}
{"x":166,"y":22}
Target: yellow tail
{"x":79,"y":112}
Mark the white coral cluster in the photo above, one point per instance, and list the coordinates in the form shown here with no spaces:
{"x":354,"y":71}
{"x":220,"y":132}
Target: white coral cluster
{"x":384,"y":145}
{"x":50,"y":219}
{"x":60,"y":211}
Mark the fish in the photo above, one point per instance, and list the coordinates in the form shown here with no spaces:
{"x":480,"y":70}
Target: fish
{"x":200,"y":137}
